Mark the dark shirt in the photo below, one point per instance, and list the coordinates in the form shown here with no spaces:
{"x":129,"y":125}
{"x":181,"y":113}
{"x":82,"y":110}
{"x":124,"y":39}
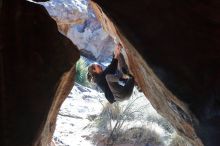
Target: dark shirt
{"x":102,"y":83}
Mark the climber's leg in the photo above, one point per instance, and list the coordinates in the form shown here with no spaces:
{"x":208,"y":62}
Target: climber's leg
{"x":120,"y":92}
{"x":122,"y":66}
{"x":113,"y":83}
{"x":129,"y":86}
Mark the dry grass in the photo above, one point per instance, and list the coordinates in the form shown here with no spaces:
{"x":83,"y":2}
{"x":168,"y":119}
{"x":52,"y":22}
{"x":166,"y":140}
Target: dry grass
{"x":134,"y":136}
{"x":178,"y":141}
{"x":117,"y":133}
{"x":140,"y":135}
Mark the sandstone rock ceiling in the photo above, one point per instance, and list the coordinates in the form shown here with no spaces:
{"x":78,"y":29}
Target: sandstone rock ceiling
{"x":180,"y":41}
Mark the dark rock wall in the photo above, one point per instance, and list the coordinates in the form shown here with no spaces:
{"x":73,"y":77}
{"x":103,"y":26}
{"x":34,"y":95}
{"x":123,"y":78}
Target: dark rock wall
{"x":33,"y":59}
{"x":166,"y":103}
{"x":180,"y":41}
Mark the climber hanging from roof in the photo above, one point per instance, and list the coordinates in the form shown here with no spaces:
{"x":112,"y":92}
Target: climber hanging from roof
{"x":115,"y":81}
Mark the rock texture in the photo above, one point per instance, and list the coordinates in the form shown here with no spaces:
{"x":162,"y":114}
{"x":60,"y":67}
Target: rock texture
{"x":68,"y":13}
{"x":79,"y":23}
{"x":173,"y":51}
{"x":36,"y":73}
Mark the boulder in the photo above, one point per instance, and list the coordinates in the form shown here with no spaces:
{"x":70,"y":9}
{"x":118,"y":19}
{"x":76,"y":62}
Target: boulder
{"x":173,"y":51}
{"x":36,"y":73}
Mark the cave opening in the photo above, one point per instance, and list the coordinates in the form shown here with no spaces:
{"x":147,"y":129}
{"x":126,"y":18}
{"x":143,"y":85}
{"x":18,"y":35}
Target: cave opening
{"x":85,"y":117}
{"x":172,"y":49}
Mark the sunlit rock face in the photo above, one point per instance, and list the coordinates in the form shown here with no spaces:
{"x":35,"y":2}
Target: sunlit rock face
{"x":36,"y":73}
{"x":180,"y":43}
{"x":67,"y":13}
{"x":80,"y":25}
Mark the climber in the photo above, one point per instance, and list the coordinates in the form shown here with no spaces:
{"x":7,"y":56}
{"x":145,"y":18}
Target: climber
{"x":115,"y":81}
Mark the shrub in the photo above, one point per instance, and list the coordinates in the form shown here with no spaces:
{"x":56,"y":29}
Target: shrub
{"x":114,"y":119}
{"x":178,"y":141}
{"x":161,"y":122}
{"x":140,"y":135}
{"x":109,"y":113}
{"x":81,"y":72}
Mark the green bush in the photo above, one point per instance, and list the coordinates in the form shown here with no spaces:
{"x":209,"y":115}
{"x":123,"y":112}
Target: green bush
{"x":81,"y":72}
